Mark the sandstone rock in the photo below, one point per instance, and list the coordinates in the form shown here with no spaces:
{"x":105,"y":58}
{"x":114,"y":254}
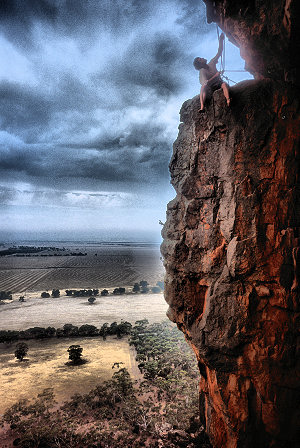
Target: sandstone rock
{"x":232,"y":236}
{"x":266,"y":31}
{"x":232,"y":257}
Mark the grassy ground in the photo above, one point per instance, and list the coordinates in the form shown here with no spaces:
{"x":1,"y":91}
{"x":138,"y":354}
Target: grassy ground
{"x":45,"y":366}
{"x":37,"y":312}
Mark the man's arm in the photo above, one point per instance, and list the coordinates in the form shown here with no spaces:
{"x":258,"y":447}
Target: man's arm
{"x":215,"y":59}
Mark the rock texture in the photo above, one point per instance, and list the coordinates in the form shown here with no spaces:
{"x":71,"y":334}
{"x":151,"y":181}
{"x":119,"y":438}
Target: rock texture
{"x":232,"y":236}
{"x":232,"y":256}
{"x":267,"y":32}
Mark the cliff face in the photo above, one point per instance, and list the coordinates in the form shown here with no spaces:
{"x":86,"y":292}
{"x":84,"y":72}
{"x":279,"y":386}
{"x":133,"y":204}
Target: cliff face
{"x":266,"y":31}
{"x":232,"y":257}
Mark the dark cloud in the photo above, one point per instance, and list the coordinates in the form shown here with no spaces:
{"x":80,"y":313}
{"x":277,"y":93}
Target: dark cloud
{"x":151,"y":63}
{"x":28,"y":161}
{"x":24,"y":10}
{"x":71,"y":17}
{"x":123,"y":165}
{"x":97,"y":107}
{"x":22,"y":108}
{"x":28,"y":111}
{"x":6,"y":195}
{"x":18,"y":16}
{"x":193,"y":17}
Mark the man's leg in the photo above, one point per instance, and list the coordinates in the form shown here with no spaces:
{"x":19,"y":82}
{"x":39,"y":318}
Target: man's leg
{"x":226,"y":92}
{"x":202,"y":97}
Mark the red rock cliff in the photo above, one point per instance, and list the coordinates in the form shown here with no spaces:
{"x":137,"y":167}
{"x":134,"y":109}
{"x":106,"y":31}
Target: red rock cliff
{"x":232,"y":256}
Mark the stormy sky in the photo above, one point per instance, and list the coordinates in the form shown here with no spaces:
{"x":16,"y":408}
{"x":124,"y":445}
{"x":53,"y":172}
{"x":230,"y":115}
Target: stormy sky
{"x":90,"y":92}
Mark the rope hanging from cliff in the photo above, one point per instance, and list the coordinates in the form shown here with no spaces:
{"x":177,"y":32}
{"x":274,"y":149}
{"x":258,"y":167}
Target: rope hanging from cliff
{"x":222,"y":66}
{"x":222,"y":54}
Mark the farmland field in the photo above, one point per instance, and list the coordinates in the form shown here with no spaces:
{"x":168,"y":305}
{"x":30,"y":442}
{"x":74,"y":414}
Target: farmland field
{"x":104,"y":266}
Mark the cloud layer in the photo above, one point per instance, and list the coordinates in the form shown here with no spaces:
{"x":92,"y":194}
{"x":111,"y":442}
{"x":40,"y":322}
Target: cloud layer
{"x":89,"y":98}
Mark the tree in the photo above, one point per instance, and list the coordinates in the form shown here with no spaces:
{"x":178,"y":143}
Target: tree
{"x":155,"y":289}
{"x":143,"y":283}
{"x":69,"y":292}
{"x":22,"y":299}
{"x":144,"y":286}
{"x":104,"y":292}
{"x":119,"y":291}
{"x":70,"y":330}
{"x":88,"y":330}
{"x":9,"y":336}
{"x":75,"y":354}
{"x":123,"y":328}
{"x":92,"y":300}
{"x":122,"y":380}
{"x":160,"y":284}
{"x":21,"y":350}
{"x":45,"y":295}
{"x":136,"y":288}
{"x":104,"y":330}
{"x":5,"y":295}
{"x":55,"y":293}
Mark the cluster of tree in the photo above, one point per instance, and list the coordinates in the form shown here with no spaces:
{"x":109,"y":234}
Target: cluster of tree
{"x":159,"y":410}
{"x":5,"y":295}
{"x":119,"y":291}
{"x":78,"y":254}
{"x":82,"y":292}
{"x":68,"y":330}
{"x":141,"y":287}
{"x":22,"y":251}
{"x":55,"y":293}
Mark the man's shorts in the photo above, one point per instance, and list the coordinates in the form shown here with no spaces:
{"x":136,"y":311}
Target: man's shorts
{"x":214,"y":85}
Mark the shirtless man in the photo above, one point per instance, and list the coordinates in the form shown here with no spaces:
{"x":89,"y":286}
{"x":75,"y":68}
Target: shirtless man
{"x":209,"y":76}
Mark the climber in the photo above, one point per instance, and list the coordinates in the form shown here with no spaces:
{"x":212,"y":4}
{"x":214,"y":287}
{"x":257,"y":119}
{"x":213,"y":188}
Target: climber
{"x":209,"y":76}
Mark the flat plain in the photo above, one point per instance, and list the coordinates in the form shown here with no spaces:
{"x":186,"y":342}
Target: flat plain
{"x":37,"y":312}
{"x":104,"y":266}
{"x":45,"y":366}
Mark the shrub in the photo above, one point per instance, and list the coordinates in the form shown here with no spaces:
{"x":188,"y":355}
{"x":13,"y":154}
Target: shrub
{"x":55,"y":293}
{"x":21,"y":351}
{"x":45,"y":295}
{"x":75,"y":354}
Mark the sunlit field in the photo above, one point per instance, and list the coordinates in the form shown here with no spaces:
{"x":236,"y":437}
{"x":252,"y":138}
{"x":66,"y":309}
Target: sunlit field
{"x":45,"y":366}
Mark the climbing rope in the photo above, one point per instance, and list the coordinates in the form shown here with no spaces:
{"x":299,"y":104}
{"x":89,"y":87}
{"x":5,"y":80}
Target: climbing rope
{"x":222,"y":65}
{"x":227,"y":79}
